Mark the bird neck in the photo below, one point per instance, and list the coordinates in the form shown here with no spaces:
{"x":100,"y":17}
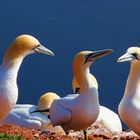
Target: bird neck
{"x":83,"y":77}
{"x":12,"y":62}
{"x":13,"y":54}
{"x":94,"y":80}
{"x":133,"y":82}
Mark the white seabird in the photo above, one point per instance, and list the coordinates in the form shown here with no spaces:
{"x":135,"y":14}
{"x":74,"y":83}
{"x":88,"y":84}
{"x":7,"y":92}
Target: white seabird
{"x":21,"y":47}
{"x":69,"y":112}
{"x":22,"y":114}
{"x":129,"y":107}
{"x":107,"y":118}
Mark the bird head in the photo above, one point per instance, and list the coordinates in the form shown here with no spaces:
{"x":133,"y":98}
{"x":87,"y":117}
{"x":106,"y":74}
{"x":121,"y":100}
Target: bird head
{"x":24,"y":45}
{"x":84,"y":59}
{"x":46,"y":100}
{"x":132,"y":55}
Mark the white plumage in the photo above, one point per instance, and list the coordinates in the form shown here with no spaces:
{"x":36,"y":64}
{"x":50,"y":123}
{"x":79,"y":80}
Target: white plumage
{"x":107,"y":118}
{"x":24,"y":115}
{"x":79,"y":112}
{"x":21,"y":115}
{"x":129,"y":107}
{"x":20,"y":48}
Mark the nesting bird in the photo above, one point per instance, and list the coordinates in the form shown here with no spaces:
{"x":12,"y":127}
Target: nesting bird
{"x":129,"y":107}
{"x":107,"y":118}
{"x":69,"y":112}
{"x":22,"y":46}
{"x":22,"y":114}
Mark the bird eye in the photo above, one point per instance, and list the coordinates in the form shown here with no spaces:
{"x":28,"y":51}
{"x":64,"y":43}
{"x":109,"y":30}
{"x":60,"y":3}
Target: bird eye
{"x":135,"y":55}
{"x":38,"y":45}
{"x":88,"y":57}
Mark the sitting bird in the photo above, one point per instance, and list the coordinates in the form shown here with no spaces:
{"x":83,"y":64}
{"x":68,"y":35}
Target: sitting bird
{"x":129,"y":107}
{"x":79,"y":112}
{"x":22,"y":46}
{"x":22,"y":114}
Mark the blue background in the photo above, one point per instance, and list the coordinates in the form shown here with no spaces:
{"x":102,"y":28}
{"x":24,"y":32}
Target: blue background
{"x":67,"y":27}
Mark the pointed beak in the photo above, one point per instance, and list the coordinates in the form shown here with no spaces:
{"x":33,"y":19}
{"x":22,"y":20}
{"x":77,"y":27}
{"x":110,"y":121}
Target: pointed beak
{"x":97,"y":55}
{"x":127,"y":57}
{"x":44,"y":110}
{"x":43,"y":50}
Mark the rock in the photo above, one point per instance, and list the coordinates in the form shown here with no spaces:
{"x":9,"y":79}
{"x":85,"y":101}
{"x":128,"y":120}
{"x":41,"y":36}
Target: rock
{"x":95,"y":132}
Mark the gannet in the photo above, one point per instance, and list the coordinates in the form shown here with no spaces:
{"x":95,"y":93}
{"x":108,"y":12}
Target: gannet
{"x":22,"y":114}
{"x":129,"y":107}
{"x":21,"y":47}
{"x":69,"y":112}
{"x":107,"y":118}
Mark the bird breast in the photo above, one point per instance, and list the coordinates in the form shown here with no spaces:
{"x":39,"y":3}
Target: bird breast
{"x":8,"y":93}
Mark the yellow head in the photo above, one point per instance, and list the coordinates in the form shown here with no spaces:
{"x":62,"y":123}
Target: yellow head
{"x":84,"y":59}
{"x":76,"y":86}
{"x":24,"y":45}
{"x":46,"y":100}
{"x":132,"y":55}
